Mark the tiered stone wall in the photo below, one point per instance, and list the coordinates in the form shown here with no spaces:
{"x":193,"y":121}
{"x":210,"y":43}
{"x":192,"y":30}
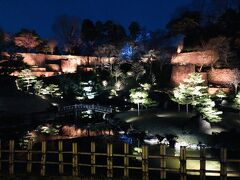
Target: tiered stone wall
{"x":223,"y":76}
{"x":179,"y":73}
{"x":184,"y":63}
{"x":199,"y":58}
{"x":60,"y":63}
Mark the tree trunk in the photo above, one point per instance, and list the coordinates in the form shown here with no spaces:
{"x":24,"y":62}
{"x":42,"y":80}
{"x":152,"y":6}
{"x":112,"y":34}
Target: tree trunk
{"x":150,"y":71}
{"x":179,"y":107}
{"x":236,"y":88}
{"x":138,"y":109}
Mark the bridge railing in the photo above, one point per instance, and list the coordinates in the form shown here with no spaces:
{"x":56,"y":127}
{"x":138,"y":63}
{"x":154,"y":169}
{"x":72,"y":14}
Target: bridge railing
{"x":79,"y":107}
{"x":108,"y":161}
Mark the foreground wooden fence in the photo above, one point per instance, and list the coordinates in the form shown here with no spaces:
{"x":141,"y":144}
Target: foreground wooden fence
{"x":8,"y":159}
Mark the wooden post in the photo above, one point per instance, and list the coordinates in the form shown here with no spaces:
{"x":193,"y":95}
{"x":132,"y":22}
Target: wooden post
{"x":29,"y":156}
{"x":74,"y":159}
{"x":145,"y":162}
{"x":11,"y":157}
{"x":60,"y":157}
{"x":183,"y":167}
{"x":202,"y":163}
{"x":126,"y":160}
{"x":162,"y":161}
{"x":43,"y":159}
{"x":109,"y":161}
{"x":223,"y":161}
{"x":93,"y":158}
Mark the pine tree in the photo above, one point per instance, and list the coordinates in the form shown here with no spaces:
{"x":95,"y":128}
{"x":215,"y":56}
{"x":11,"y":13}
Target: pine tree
{"x":139,"y":96}
{"x":26,"y":80}
{"x":192,"y":91}
{"x":237,"y":101}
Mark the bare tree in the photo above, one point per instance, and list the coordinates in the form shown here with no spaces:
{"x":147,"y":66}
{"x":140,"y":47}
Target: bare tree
{"x":148,"y":58}
{"x":221,"y":46}
{"x":68,"y":31}
{"x":109,"y":51}
{"x":117,"y":72}
{"x":138,"y":70}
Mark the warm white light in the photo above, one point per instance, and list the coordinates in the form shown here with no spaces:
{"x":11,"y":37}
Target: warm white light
{"x":164,"y":115}
{"x":132,"y":119}
{"x":104,"y":83}
{"x":179,"y":48}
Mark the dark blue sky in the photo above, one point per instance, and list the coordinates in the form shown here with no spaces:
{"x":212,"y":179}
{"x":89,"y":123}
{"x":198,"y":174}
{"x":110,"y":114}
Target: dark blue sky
{"x":39,"y":15}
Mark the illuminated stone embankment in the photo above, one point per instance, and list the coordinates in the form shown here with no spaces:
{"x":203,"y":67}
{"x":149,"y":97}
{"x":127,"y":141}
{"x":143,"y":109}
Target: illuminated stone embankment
{"x":49,"y":65}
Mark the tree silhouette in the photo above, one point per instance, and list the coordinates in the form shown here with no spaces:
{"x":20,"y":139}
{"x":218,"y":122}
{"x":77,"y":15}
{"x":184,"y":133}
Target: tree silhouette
{"x":134,"y":29}
{"x":88,"y":31}
{"x":67,"y":30}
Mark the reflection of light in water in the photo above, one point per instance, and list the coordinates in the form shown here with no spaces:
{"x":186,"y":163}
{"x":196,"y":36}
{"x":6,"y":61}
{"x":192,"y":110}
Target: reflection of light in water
{"x":132,"y":119}
{"x":164,"y":115}
{"x":87,"y":112}
{"x":238,"y":121}
{"x":55,"y":104}
{"x":217,"y":129}
{"x":210,"y":165}
{"x":43,"y":97}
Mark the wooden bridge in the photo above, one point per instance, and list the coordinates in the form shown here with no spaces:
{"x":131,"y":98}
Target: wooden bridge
{"x":114,"y":160}
{"x":81,"y":107}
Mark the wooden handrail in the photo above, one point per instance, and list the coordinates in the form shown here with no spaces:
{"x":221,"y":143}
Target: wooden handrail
{"x":9,"y":156}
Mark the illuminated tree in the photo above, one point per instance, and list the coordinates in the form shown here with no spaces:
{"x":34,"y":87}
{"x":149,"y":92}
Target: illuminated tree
{"x":52,"y":44}
{"x":107,"y":50}
{"x":48,"y":46}
{"x":127,"y":52}
{"x":86,"y":90}
{"x":38,"y":86}
{"x":138,"y":70}
{"x":45,"y":48}
{"x":236,"y":79}
{"x":117,"y":72}
{"x":139,"y":96}
{"x":237,"y":101}
{"x":192,"y":91}
{"x":206,"y":107}
{"x":26,"y":79}
{"x":27,"y":39}
{"x":52,"y":90}
{"x":187,"y":91}
{"x":148,"y":58}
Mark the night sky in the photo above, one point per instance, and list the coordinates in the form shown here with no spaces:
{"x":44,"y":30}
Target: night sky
{"x":39,"y":15}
